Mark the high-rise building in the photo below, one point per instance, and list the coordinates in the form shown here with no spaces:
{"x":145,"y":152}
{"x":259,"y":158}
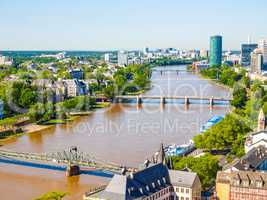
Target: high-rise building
{"x":256,"y":61}
{"x":204,"y":53}
{"x":215,"y":50}
{"x":246,"y":50}
{"x":263,"y":46}
{"x":107,"y":57}
{"x":146,"y":50}
{"x":122,"y":58}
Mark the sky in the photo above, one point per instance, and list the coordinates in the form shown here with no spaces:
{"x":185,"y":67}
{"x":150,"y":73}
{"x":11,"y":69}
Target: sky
{"x":129,"y":24}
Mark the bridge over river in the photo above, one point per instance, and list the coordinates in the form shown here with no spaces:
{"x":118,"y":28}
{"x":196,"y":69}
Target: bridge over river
{"x":186,"y":99}
{"x":73,"y":161}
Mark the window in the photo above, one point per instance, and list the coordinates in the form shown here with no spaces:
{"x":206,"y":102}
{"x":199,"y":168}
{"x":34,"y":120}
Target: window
{"x":187,"y":191}
{"x":182,"y":198}
{"x":182,"y":190}
{"x":177,"y":189}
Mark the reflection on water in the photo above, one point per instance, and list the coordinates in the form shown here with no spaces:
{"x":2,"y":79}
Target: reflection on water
{"x":129,"y":133}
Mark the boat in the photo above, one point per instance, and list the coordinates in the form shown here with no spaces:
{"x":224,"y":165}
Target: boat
{"x":211,"y":122}
{"x":180,"y":150}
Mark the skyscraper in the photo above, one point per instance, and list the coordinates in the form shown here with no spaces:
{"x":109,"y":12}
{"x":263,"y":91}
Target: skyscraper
{"x":256,"y":61}
{"x":216,"y":50}
{"x":122,"y":58}
{"x":263,"y":46}
{"x":246,"y":50}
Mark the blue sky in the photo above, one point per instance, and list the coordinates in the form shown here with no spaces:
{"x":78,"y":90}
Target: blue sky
{"x":128,"y":24}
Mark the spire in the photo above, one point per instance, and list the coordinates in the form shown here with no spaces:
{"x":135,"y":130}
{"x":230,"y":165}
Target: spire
{"x":261,"y":121}
{"x":161,"y":157}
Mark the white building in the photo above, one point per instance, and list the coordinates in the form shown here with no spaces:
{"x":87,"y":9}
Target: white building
{"x":71,"y":88}
{"x":256,"y":62}
{"x":122,"y":58}
{"x":258,"y":138}
{"x":255,"y":140}
{"x":146,"y":50}
{"x":4,"y":60}
{"x":107,"y":57}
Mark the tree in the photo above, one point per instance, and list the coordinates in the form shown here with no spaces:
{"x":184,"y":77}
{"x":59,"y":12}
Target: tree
{"x":109,"y":91}
{"x":36,"y":112}
{"x":52,"y":196}
{"x":46,"y":74}
{"x":229,"y":133}
{"x":205,"y":166}
{"x":23,"y":94}
{"x":27,"y":98}
{"x":120,"y":81}
{"x":239,"y":97}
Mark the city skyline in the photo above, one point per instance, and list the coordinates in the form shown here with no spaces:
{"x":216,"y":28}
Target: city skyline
{"x":110,"y":25}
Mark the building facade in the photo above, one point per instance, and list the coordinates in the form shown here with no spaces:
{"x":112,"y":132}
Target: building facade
{"x":246,"y":50}
{"x":152,"y":183}
{"x":242,"y":185}
{"x":256,"y":63}
{"x":216,"y":50}
{"x":77,"y":73}
{"x":263,"y":46}
{"x":122,"y":58}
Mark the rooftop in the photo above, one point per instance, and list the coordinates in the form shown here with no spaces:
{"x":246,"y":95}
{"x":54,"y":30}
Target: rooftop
{"x":246,"y":179}
{"x":146,"y":182}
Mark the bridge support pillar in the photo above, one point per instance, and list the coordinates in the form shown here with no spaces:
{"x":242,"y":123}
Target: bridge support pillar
{"x":162,"y":100}
{"x":73,"y":170}
{"x":211,"y":101}
{"x":138,"y":100}
{"x":186,"y":101}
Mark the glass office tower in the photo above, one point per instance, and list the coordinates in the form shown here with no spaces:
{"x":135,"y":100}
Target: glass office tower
{"x":216,"y":50}
{"x":246,"y":50}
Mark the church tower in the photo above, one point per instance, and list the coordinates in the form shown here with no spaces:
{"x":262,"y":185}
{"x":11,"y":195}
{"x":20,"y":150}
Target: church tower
{"x":261,"y":121}
{"x":162,"y":158}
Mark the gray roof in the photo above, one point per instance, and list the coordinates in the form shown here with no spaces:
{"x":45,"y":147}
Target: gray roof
{"x":251,"y":160}
{"x":144,"y":183}
{"x":181,"y":178}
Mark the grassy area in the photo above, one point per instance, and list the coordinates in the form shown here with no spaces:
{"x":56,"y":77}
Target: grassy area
{"x":12,"y":120}
{"x":55,"y":121}
{"x":136,"y":93}
{"x":102,"y":105}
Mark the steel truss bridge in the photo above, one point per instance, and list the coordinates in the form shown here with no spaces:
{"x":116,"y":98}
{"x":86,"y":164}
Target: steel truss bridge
{"x":71,"y":157}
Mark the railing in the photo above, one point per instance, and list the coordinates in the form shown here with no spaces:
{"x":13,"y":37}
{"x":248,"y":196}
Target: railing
{"x":63,"y":158}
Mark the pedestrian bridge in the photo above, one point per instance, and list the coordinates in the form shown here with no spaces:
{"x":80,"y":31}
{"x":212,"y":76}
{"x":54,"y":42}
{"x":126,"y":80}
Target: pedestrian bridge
{"x":70,"y":160}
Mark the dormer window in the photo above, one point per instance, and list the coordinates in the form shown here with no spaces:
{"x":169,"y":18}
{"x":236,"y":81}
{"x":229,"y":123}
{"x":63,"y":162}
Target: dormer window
{"x":153,"y":185}
{"x":259,"y":184}
{"x":147,"y":188}
{"x":246,"y":183}
{"x":159,"y":182}
{"x":164,"y":180}
{"x":141,"y":190}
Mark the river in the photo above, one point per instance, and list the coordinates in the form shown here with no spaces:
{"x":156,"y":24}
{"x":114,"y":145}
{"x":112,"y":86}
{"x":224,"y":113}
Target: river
{"x":122,"y":133}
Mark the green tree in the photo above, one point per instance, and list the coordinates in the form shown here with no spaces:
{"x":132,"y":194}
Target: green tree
{"x":36,"y":112}
{"x":52,"y":196}
{"x":229,"y":133}
{"x":27,"y":98}
{"x":239,"y":97}
{"x":205,"y":166}
{"x":109,"y":91}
